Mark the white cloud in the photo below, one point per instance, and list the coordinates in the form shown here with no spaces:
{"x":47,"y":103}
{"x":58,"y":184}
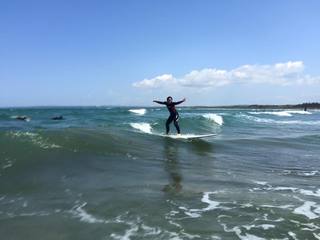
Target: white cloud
{"x":205,"y":78}
{"x":288,"y":73}
{"x":156,"y":82}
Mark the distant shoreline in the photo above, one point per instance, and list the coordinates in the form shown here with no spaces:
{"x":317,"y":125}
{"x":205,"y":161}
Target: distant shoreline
{"x":269,"y":106}
{"x":240,"y":106}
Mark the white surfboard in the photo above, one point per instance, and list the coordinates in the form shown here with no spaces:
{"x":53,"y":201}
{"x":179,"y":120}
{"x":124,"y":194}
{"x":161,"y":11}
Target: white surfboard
{"x":187,"y":136}
{"x":146,"y":128}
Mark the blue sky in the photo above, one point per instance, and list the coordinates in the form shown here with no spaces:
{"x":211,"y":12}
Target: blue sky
{"x":120,"y":52}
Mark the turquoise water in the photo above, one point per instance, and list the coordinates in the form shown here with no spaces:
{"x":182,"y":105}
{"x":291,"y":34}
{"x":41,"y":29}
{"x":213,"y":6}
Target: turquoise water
{"x":104,"y":173}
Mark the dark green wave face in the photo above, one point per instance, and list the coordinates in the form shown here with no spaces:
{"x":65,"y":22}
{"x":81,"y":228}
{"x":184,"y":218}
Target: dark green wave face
{"x":108,"y":173}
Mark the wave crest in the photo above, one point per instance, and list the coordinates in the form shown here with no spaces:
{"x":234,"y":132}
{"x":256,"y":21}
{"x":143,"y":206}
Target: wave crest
{"x":272,"y":121}
{"x":34,"y":138}
{"x":141,"y":111}
{"x":282,"y":113}
{"x":143,"y":127}
{"x":214,"y":117}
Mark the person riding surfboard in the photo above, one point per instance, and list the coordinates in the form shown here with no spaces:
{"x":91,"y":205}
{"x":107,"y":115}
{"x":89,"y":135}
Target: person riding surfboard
{"x":174,"y":115}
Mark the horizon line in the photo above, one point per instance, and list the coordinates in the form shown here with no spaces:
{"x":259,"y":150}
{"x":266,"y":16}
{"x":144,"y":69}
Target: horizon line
{"x":148,"y":106}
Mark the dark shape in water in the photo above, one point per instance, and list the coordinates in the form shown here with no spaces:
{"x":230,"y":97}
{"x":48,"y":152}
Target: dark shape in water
{"x":22,"y":118}
{"x":57,"y":118}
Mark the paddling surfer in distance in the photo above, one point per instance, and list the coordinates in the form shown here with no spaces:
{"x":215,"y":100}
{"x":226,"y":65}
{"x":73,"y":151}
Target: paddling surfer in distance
{"x":174,"y":115}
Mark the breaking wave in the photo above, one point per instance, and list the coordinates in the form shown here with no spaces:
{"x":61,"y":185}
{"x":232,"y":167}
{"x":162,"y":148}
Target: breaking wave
{"x":143,"y":127}
{"x":288,"y":113}
{"x":34,"y":138}
{"x":267,"y":120}
{"x":141,"y":111}
{"x":214,"y":117}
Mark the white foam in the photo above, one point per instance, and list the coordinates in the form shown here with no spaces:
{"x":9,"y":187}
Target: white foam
{"x":216,"y":238}
{"x":299,"y":112}
{"x":143,"y":127}
{"x":35,"y":138}
{"x":263,"y":226}
{"x":246,"y":205}
{"x":305,"y":173}
{"x":306,"y":226}
{"x":131,"y":157}
{"x":310,"y":193}
{"x":136,"y":227}
{"x":41,"y":213}
{"x":214,"y":117}
{"x":188,"y":235}
{"x":284,"y":188}
{"x":299,"y":122}
{"x":268,"y":187}
{"x":175,"y":224}
{"x":301,"y":173}
{"x":211,"y":203}
{"x":150,"y":230}
{"x":7,"y":165}
{"x":293,"y":235}
{"x":141,"y":111}
{"x":317,"y":236}
{"x":272,"y":121}
{"x":260,"y":182}
{"x":281,"y":206}
{"x":287,"y":113}
{"x":191,"y":213}
{"x":305,"y":210}
{"x":80,"y":213}
{"x":315,"y":193}
{"x":127,"y":235}
{"x":237,"y":231}
{"x":281,"y":114}
{"x":197,"y":212}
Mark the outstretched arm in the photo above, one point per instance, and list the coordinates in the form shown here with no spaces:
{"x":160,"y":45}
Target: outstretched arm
{"x":159,"y":102}
{"x":177,"y":103}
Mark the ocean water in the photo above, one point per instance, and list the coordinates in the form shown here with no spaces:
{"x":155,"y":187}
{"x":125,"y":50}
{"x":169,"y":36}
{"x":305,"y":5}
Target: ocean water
{"x":105,"y":173}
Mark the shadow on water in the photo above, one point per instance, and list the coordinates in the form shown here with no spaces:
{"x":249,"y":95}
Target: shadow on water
{"x":171,"y":161}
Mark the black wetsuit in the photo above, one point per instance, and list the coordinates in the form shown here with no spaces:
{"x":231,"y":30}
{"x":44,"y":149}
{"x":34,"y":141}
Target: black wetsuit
{"x":174,"y":115}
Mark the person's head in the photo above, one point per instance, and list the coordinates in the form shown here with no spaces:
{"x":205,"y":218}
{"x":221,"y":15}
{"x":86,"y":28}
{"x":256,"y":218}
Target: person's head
{"x":169,"y":99}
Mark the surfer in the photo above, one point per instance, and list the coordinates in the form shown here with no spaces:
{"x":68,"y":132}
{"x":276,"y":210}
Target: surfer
{"x":174,"y":115}
{"x":22,"y":118}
